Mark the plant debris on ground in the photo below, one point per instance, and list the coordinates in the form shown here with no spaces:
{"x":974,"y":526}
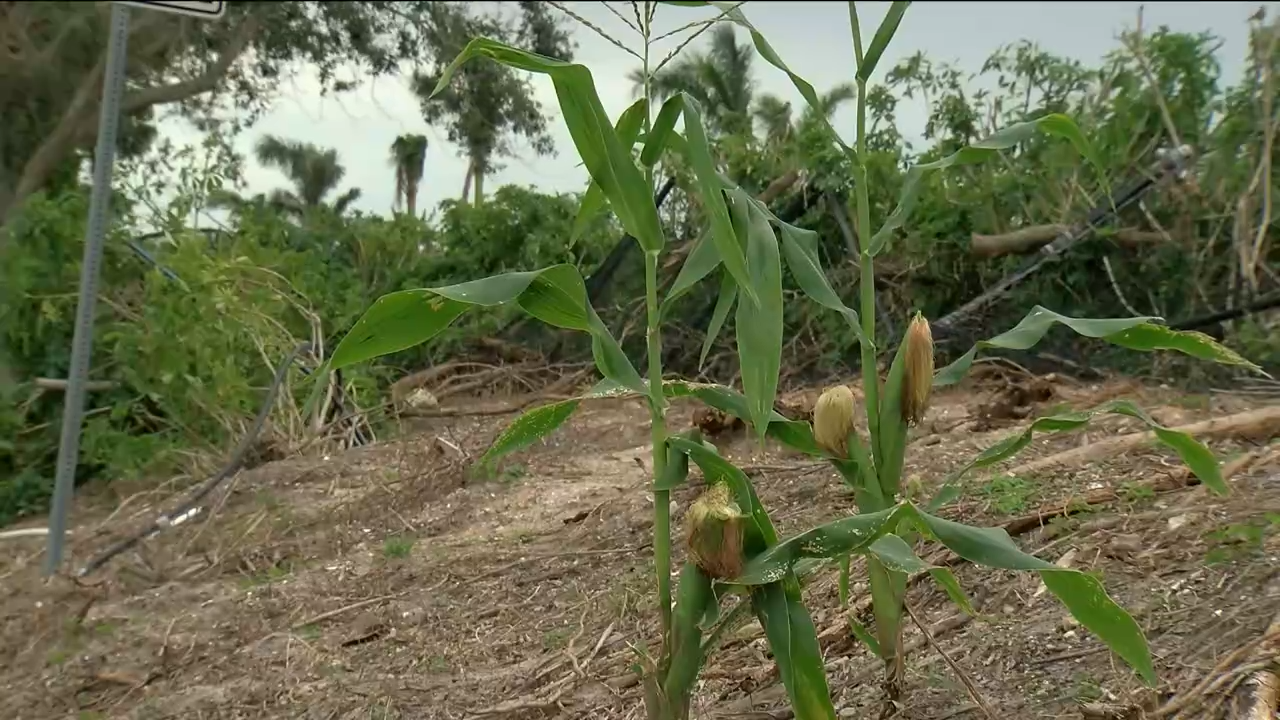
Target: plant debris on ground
{"x":402,"y":580}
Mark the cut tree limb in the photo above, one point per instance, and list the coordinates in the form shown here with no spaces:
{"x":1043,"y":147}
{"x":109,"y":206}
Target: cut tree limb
{"x":1266,"y":684}
{"x":58,"y":384}
{"x":1262,"y":421}
{"x":1032,"y":238}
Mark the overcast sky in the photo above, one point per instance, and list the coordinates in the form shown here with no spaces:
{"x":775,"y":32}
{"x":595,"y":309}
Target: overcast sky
{"x":812,"y":37}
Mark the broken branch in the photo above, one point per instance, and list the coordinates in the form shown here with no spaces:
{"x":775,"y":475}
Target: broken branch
{"x":1032,"y":238}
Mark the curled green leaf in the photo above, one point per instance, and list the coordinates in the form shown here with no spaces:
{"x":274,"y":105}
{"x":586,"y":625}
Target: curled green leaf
{"x":701,"y":260}
{"x":759,"y":532}
{"x":795,"y":434}
{"x":801,"y":250}
{"x":704,"y":170}
{"x":606,"y":157}
{"x":555,"y":295}
{"x":724,"y":303}
{"x":760,"y":326}
{"x":1136,"y":333}
{"x":659,"y":138}
{"x":529,"y":428}
{"x":734,"y":13}
{"x":1198,"y":458}
{"x":895,"y":554}
{"x":1082,"y":594}
{"x":594,"y":201}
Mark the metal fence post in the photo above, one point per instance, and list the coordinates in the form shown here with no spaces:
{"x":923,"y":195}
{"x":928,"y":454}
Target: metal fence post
{"x":82,"y":342}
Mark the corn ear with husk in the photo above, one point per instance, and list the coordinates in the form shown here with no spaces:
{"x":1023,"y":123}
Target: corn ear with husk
{"x":833,"y":420}
{"x":714,"y":529}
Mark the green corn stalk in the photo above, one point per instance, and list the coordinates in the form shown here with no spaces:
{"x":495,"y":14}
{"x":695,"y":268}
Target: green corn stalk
{"x":734,"y":548}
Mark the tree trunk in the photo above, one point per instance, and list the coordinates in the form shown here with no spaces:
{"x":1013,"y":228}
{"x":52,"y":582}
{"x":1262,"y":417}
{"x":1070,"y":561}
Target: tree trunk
{"x":466,"y":181}
{"x":411,"y":198}
{"x":478,"y":172}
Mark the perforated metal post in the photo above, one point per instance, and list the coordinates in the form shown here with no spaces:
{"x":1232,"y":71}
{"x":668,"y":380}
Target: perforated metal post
{"x":82,"y":342}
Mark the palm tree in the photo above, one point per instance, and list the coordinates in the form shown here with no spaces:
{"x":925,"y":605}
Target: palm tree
{"x":719,"y":79}
{"x":314,"y":172}
{"x":408,"y":157}
{"x":774,"y":114}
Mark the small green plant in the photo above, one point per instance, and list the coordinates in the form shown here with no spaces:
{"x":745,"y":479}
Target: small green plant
{"x":556,"y":639}
{"x":397,"y":547}
{"x":1086,"y":689}
{"x":1008,"y":494}
{"x":1136,"y":492}
{"x":732,"y":545}
{"x":1238,"y":541}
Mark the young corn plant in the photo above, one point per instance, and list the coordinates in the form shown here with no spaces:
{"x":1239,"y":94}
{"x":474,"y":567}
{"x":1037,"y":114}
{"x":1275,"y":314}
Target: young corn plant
{"x":732,"y":546}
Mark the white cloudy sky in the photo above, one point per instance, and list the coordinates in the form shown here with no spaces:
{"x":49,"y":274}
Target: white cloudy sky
{"x":812,"y":37}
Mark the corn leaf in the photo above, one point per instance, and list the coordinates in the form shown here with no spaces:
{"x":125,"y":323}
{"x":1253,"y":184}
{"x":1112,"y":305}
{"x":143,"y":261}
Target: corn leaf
{"x":594,"y":201}
{"x":759,"y":327}
{"x":795,"y":434}
{"x":1198,"y":458}
{"x":861,"y":632}
{"x":1150,"y":336}
{"x":555,"y":295}
{"x":693,"y":596}
{"x":893,"y":428}
{"x":732,"y":12}
{"x":842,"y":585}
{"x":778,"y":606}
{"x":801,"y":250}
{"x":1052,"y":124}
{"x":702,"y":259}
{"x":1082,"y":594}
{"x":794,"y":643}
{"x":677,"y":469}
{"x":844,"y":536}
{"x":896,"y":554}
{"x":1137,"y":333}
{"x":529,"y":428}
{"x":704,"y":170}
{"x":541,"y":421}
{"x":880,"y":41}
{"x":724,"y":303}
{"x":593,"y":204}
{"x":606,"y":157}
{"x":759,"y":532}
{"x":659,"y":138}
{"x":674,"y":141}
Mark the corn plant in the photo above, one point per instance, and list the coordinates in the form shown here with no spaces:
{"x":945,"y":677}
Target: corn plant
{"x":732,"y":546}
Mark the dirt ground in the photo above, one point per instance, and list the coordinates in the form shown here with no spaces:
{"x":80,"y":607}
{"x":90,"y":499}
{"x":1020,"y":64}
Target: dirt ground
{"x":394,"y":581}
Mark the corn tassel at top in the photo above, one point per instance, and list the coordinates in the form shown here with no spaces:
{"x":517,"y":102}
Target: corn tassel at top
{"x":917,"y":379}
{"x":833,"y":420}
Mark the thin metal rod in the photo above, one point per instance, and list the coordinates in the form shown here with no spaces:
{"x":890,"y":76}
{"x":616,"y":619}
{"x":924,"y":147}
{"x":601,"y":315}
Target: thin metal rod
{"x":82,"y":342}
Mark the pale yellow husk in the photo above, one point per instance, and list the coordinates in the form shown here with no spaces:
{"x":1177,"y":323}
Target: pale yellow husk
{"x":833,"y":420}
{"x":917,"y":376}
{"x":714,"y":527}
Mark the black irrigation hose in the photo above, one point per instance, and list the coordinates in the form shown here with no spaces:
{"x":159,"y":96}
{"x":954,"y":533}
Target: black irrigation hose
{"x":232,"y":465}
